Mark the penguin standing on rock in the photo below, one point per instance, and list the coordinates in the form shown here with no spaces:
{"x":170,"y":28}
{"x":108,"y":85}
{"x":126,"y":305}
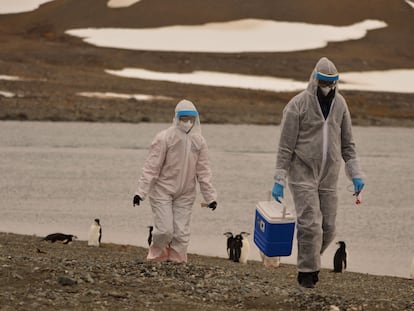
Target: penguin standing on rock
{"x":95,"y":234}
{"x":230,"y":245}
{"x":245,"y":247}
{"x":238,"y":246}
{"x":340,"y":258}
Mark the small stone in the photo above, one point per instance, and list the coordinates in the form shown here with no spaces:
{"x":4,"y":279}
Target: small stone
{"x":88,"y":278}
{"x":17,"y":276}
{"x":117,"y":295}
{"x":66,"y":281}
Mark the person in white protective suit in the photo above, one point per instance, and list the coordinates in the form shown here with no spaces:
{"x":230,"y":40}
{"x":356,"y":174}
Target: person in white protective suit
{"x":177,"y":160}
{"x":316,"y":132}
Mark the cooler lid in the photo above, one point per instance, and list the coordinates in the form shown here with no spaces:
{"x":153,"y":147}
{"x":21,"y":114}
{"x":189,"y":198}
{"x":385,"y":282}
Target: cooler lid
{"x":273,"y":211}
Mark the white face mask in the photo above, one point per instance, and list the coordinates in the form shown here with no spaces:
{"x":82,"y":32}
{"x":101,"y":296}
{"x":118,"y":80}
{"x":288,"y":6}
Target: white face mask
{"x":185,"y":125}
{"x":326,"y":89}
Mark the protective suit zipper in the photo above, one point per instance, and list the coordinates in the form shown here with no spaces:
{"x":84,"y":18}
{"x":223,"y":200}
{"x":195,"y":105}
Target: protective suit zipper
{"x":325,"y":139}
{"x":184,"y":171}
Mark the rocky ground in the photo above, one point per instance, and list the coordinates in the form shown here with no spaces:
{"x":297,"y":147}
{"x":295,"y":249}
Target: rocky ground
{"x":39,"y":275}
{"x":56,"y":67}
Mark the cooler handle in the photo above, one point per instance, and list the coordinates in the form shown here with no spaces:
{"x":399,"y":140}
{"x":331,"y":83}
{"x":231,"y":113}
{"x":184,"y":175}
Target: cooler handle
{"x":283,"y":210}
{"x":270,"y":199}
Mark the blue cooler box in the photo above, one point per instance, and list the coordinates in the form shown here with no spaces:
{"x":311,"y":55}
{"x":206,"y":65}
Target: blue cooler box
{"x":273,"y":229}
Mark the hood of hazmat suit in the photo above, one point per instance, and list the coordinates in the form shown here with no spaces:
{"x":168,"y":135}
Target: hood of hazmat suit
{"x":187,"y":108}
{"x":310,"y":154}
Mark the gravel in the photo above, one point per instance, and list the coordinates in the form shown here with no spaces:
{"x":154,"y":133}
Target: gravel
{"x":36,"y":274}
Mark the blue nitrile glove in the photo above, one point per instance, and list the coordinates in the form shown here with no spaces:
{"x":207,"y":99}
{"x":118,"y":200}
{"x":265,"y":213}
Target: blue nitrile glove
{"x":277,"y":192}
{"x":358,"y":185}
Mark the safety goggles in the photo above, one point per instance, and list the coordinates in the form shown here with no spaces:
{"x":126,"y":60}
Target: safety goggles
{"x":187,"y":118}
{"x":323,"y":83}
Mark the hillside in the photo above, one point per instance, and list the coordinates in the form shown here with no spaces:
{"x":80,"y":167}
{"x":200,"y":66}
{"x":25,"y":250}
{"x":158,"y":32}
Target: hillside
{"x":34,"y":45}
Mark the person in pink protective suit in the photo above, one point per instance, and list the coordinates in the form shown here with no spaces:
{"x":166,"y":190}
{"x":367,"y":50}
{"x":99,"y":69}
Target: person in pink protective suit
{"x":177,"y":160}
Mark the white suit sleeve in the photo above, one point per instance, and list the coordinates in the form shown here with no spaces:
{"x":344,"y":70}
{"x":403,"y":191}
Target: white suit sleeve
{"x":204,"y":176}
{"x":152,"y":166}
{"x":288,"y":136}
{"x":352,"y":168}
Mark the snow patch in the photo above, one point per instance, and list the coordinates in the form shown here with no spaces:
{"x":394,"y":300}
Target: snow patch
{"x":121,"y":3}
{"x":246,"y":35}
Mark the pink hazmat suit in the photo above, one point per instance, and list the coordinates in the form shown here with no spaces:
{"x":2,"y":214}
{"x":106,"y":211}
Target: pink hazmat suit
{"x":177,"y":160}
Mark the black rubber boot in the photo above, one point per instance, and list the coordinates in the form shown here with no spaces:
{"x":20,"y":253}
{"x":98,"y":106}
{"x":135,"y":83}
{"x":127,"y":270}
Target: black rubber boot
{"x":315,"y":277}
{"x":307,"y":279}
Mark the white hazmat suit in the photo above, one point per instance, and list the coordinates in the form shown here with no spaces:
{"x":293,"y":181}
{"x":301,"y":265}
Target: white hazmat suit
{"x":177,"y":160}
{"x":309,"y":156}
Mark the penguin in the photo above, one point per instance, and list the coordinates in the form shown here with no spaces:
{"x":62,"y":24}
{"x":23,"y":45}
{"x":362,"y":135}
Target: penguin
{"x":95,"y":234}
{"x":230,"y":245}
{"x":241,"y":247}
{"x":412,"y":269}
{"x":237,"y":245}
{"x":150,"y":229}
{"x":65,"y":238}
{"x":270,"y":262}
{"x":245,"y":247}
{"x":340,"y":258}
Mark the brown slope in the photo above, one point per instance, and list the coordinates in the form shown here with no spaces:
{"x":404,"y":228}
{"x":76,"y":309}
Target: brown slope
{"x":390,"y":47}
{"x":34,"y":45}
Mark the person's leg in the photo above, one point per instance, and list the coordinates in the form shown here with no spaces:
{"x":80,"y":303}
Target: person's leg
{"x":163,"y":229}
{"x":182,"y":208}
{"x":309,"y":232}
{"x":329,"y":206}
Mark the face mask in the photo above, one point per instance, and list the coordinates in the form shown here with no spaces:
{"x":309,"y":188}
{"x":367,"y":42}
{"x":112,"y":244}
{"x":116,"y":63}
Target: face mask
{"x":325,"y":89}
{"x":185,"y":125}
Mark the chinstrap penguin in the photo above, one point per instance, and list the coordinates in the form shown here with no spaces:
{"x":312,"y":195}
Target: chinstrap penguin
{"x":340,"y":258}
{"x":62,"y":237}
{"x":237,"y":246}
{"x":230,"y":245}
{"x":245,"y":247}
{"x":95,"y":233}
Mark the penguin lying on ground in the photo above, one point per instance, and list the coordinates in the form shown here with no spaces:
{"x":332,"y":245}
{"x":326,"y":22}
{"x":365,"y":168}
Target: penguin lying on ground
{"x":65,"y":238}
{"x":95,"y":233}
{"x":340,"y":258}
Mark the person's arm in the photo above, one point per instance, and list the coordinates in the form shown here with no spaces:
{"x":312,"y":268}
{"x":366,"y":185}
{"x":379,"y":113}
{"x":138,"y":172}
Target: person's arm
{"x":348,"y":148}
{"x":205,"y":176}
{"x":152,"y":166}
{"x":287,"y":142}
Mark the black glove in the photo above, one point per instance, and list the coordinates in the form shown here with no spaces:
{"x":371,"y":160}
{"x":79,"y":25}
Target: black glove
{"x":137,"y":200}
{"x":212,"y":205}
